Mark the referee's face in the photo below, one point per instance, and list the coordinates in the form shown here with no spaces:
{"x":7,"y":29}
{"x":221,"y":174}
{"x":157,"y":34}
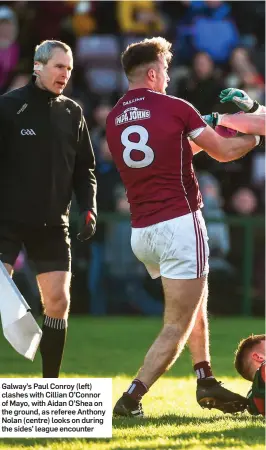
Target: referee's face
{"x":55,"y":74}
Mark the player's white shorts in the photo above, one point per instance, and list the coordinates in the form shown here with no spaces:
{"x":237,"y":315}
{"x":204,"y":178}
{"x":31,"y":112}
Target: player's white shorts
{"x":177,"y":248}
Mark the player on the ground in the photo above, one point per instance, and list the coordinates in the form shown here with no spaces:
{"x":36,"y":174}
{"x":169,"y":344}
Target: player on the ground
{"x":253,"y":122}
{"x":147,"y":133}
{"x":250,"y":363}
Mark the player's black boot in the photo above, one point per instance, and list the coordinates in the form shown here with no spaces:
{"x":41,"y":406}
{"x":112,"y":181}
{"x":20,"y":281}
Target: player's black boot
{"x":127,"y":407}
{"x":211,"y":394}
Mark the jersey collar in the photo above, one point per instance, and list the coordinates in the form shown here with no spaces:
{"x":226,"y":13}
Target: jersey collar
{"x":40,"y":93}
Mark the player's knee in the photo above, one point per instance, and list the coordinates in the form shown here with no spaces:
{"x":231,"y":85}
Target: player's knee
{"x":58,"y":305}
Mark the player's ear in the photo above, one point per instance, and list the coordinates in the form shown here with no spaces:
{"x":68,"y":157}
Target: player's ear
{"x":258,"y":357}
{"x":151,"y":74}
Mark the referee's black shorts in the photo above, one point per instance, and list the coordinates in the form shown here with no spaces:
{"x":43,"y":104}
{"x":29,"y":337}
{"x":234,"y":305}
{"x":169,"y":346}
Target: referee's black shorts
{"x":47,"y":246}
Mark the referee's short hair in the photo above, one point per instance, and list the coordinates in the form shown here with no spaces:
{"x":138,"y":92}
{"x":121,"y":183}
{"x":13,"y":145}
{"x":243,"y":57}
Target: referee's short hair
{"x":44,"y":51}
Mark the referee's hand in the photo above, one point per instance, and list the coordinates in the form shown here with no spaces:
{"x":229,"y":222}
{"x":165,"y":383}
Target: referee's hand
{"x":87,"y":226}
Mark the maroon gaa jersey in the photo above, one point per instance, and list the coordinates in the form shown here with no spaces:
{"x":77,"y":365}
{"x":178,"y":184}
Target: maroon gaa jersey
{"x":147,"y":134}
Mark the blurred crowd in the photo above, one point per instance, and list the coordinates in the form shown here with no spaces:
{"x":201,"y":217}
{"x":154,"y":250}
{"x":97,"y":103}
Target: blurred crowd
{"x":216,"y":44}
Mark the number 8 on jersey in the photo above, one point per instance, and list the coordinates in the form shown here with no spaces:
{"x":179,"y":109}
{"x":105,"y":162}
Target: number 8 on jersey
{"x":140,"y":146}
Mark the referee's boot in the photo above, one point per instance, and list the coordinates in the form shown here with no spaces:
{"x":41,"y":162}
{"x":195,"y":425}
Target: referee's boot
{"x":128,"y":407}
{"x":211,"y":394}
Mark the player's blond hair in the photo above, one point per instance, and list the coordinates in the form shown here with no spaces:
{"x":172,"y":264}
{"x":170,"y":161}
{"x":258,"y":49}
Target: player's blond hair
{"x":145,"y":52}
{"x":244,"y":346}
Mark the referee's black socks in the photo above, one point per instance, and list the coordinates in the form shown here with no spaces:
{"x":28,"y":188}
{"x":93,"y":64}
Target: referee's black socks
{"x":52,"y":345}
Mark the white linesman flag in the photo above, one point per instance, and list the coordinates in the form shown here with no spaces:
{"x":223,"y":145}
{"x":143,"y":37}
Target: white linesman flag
{"x":19,"y":326}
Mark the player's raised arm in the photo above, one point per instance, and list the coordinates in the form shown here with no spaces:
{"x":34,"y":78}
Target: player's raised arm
{"x":251,"y":123}
{"x":225,"y":149}
{"x":222,"y":131}
{"x":245,"y":123}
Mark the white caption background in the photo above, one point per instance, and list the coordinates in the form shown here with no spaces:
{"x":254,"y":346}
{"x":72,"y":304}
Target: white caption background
{"x":56,"y":407}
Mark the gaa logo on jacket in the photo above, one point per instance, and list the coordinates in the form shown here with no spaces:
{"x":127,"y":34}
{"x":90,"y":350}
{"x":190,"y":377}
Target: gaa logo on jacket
{"x":27,"y":132}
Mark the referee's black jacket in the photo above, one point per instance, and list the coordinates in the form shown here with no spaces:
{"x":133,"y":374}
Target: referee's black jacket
{"x":45,"y":154}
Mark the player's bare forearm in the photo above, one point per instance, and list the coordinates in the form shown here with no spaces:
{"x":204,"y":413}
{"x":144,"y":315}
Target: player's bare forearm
{"x":245,"y":123}
{"x":224,"y":149}
{"x":238,"y":147}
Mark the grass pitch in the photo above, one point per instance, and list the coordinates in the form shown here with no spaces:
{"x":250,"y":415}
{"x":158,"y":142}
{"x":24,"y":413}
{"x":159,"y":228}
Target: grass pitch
{"x":115,"y":347}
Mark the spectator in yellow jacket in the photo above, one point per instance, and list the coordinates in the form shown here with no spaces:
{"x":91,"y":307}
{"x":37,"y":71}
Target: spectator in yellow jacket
{"x":142,"y":18}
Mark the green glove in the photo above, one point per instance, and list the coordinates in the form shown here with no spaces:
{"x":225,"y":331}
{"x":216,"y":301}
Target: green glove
{"x":238,"y":97}
{"x":212,"y":119}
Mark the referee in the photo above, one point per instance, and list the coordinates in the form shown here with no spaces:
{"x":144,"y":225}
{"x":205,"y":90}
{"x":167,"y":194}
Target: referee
{"x":45,"y":154}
